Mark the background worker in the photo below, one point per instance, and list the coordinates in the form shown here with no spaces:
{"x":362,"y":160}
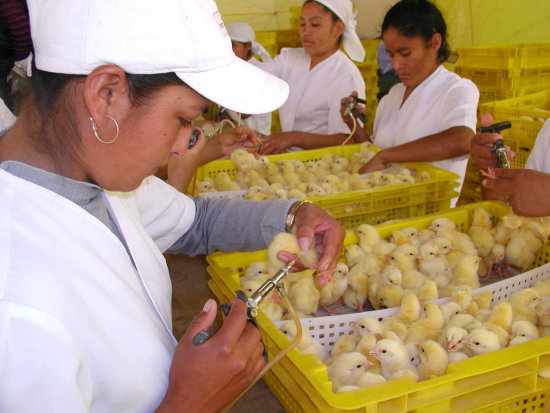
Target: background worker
{"x":319,"y":75}
{"x":431,"y":115}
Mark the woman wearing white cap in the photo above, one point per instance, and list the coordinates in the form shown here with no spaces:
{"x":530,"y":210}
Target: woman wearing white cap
{"x":246,"y":47}
{"x":319,"y":75}
{"x":85,"y":294}
{"x":431,"y":115}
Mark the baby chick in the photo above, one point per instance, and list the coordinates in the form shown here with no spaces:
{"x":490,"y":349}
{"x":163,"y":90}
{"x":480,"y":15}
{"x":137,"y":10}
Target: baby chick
{"x":433,"y":360}
{"x":428,"y":327}
{"x":482,"y":341}
{"x":302,"y":292}
{"x":307,"y":344}
{"x":333,"y":290}
{"x":522,"y":332}
{"x":346,"y":368}
{"x":369,"y":239}
{"x":353,"y":254}
{"x":465,"y":273}
{"x":288,"y":242}
{"x":393,"y":357}
{"x":524,"y":303}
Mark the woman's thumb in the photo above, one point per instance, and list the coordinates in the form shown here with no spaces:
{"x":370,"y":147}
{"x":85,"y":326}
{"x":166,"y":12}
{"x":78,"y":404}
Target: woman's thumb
{"x":203,"y":320}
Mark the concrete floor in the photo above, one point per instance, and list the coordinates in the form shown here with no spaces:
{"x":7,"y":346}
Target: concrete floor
{"x":190,"y":292}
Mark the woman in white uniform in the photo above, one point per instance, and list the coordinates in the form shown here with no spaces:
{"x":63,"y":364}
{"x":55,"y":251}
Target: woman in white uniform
{"x":431,"y":115}
{"x":319,"y":75}
{"x":245,"y":46}
{"x":85,"y":294}
{"x":525,"y":190}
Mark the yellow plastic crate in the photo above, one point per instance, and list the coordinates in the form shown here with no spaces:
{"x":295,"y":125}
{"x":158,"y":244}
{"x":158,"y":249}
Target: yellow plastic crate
{"x":375,"y":205}
{"x":517,"y":59}
{"x":521,"y":136}
{"x":497,"y":80}
{"x":503,"y":381}
{"x":471,"y":188}
{"x":371,"y":54}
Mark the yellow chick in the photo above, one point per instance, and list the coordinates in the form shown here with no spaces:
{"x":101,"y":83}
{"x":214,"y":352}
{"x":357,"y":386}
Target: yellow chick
{"x":451,"y":338}
{"x":353,"y":254}
{"x":270,"y":305}
{"x":393,"y":357}
{"x":482,"y":239}
{"x":253,"y":191}
{"x":256,"y":271}
{"x":482,"y":341}
{"x":522,"y":332}
{"x":483,"y":299}
{"x":288,"y":242}
{"x":346,"y":368}
{"x":409,"y":310}
{"x":433,"y":265}
{"x":368,"y":379}
{"x":433,"y":360}
{"x":413,"y":279}
{"x":424,"y":235}
{"x":465,"y":273}
{"x":518,"y":253}
{"x":502,"y":315}
{"x":446,"y":228}
{"x":543,"y":312}
{"x":346,"y":343}
{"x":450,"y":309}
{"x":206,"y":186}
{"x":389,"y":296}
{"x":482,"y":218}
{"x":369,"y":238}
{"x":307,"y":344}
{"x":243,"y":160}
{"x":223,"y":182}
{"x":524,"y":303}
{"x":428,"y":327}
{"x":333,"y":290}
{"x":302,"y":292}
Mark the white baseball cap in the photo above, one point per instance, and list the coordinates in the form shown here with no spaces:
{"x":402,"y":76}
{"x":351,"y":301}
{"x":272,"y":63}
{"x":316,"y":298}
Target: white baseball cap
{"x":187,"y":37}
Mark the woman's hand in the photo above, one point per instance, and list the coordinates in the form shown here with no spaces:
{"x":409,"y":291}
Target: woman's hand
{"x":377,"y":163}
{"x":346,"y":117}
{"x":239,"y":137}
{"x":525,"y":190}
{"x":480,"y":146}
{"x":313,"y":225}
{"x":207,"y":377}
{"x":276,"y":143}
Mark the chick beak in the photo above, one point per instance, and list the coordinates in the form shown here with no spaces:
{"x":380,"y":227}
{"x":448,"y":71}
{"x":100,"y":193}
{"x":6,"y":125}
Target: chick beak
{"x":374,"y":352}
{"x":378,"y":336}
{"x":467,"y":342}
{"x":547,"y":311}
{"x":354,"y":325}
{"x":513,"y":335}
{"x":368,"y":364}
{"x":451,"y":346}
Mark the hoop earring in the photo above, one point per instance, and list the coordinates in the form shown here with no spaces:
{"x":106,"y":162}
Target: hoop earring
{"x":94,"y":127}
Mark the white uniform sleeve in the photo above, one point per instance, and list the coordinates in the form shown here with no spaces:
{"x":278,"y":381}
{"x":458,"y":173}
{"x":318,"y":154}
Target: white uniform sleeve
{"x":346,"y":85}
{"x":460,"y":105}
{"x":539,"y":158}
{"x":165,"y":213}
{"x":274,"y":66}
{"x":36,"y":351}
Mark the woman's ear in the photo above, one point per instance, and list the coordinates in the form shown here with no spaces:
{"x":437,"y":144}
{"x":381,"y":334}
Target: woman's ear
{"x":436,"y":42}
{"x":106,"y":94}
{"x":340,"y":27}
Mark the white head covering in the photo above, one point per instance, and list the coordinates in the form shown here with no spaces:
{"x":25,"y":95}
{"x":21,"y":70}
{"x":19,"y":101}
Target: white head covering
{"x":187,"y":37}
{"x":344,"y":10}
{"x":242,"y":32}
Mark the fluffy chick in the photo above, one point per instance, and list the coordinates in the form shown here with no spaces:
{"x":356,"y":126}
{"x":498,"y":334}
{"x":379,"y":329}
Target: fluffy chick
{"x":522,"y":332}
{"x":346,"y":368}
{"x":393,"y":357}
{"x":333,"y":290}
{"x":433,"y":360}
{"x":369,"y":238}
{"x":302,"y":292}
{"x":307,"y":344}
{"x":524,"y":303}
{"x":288,"y":242}
{"x":482,"y":341}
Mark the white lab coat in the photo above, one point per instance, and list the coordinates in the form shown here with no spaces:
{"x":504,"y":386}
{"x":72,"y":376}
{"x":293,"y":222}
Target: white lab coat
{"x":73,"y":308}
{"x":539,"y":158}
{"x":259,"y":123}
{"x":313,"y":104}
{"x":443,"y":100}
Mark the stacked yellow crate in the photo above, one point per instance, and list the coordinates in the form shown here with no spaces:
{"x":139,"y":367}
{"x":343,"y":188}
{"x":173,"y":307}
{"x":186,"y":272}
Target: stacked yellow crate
{"x":527,"y":115}
{"x":508,"y":71}
{"x":368,"y":69}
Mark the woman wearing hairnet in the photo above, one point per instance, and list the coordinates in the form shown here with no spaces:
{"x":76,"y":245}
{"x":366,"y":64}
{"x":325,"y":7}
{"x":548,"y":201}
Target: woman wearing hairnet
{"x":319,"y":76}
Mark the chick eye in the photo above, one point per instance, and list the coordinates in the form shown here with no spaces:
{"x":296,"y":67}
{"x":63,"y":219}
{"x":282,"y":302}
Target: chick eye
{"x":477,"y":343}
{"x":431,"y":253}
{"x":524,"y":335}
{"x":384,"y":351}
{"x":285,"y":331}
{"x":422,"y":350}
{"x":457,"y":313}
{"x":358,"y":366}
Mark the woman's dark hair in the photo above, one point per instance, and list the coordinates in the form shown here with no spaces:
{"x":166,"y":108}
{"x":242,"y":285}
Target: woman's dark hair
{"x":55,"y":126}
{"x":335,"y":18}
{"x":418,"y":18}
